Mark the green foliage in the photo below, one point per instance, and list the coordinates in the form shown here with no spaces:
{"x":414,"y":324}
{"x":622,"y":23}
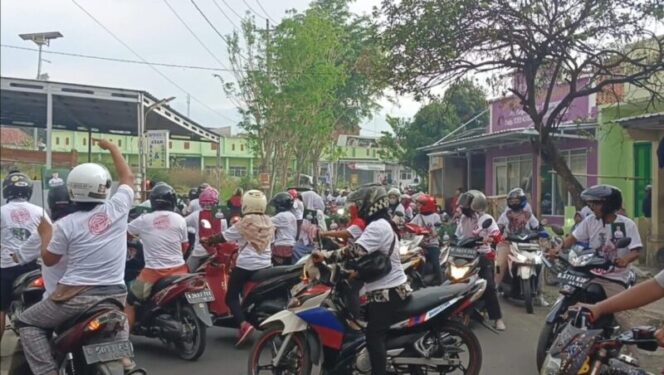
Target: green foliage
{"x":461,"y":102}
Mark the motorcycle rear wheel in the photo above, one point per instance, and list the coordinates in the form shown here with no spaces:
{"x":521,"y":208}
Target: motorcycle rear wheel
{"x":296,"y":359}
{"x":527,"y":291}
{"x":454,"y":329}
{"x":191,"y":351}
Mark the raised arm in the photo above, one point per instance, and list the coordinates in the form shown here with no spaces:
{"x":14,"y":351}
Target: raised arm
{"x":125,"y":175}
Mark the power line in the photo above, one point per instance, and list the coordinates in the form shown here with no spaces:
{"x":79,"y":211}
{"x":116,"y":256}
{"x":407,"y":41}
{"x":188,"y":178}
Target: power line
{"x":232,"y":10}
{"x":252,"y":9}
{"x":145,"y":61}
{"x":266,"y":13}
{"x":194,"y":35}
{"x":115,"y":59}
{"x":224,"y":13}
{"x":228,"y":43}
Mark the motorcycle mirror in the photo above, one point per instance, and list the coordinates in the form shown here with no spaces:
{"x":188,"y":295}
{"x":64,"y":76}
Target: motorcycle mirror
{"x":623,"y":242}
{"x":557,"y":229}
{"x":206,"y":224}
{"x":487,"y":223}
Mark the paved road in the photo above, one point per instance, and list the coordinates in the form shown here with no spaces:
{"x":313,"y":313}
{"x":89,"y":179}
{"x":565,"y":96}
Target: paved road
{"x":511,"y":352}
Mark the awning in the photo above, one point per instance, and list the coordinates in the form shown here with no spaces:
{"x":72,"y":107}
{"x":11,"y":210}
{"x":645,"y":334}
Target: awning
{"x":650,"y":121}
{"x":366,"y":166}
{"x":23,"y":102}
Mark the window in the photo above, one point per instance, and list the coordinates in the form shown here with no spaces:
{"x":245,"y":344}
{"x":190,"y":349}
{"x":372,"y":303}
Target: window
{"x":186,"y":145}
{"x":85,"y":141}
{"x":119,"y":142}
{"x":57,"y":140}
{"x":368,"y":152}
{"x":554,"y":194}
{"x":406,"y":174}
{"x":241,"y":147}
{"x":213,"y":146}
{"x":512,"y":172}
{"x":237,"y":171}
{"x":66,"y":141}
{"x":233,"y":147}
{"x":170,"y":145}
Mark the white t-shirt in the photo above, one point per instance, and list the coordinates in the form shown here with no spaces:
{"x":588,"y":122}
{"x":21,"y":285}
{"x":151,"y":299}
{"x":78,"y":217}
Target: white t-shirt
{"x":603,"y":237}
{"x":193,"y":206}
{"x":248,"y":258}
{"x":162,"y":234}
{"x":286,"y":228}
{"x":659,"y":278}
{"x":407,"y":212}
{"x":313,"y":201}
{"x":18,"y":220}
{"x":298,"y":209}
{"x":95,"y":241}
{"x":472,"y":227}
{"x":586,"y":211}
{"x":30,"y":251}
{"x":517,"y":222}
{"x":378,"y":236}
{"x":431,"y":222}
{"x":192,"y":222}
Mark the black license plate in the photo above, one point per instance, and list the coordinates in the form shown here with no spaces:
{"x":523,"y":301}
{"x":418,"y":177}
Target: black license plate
{"x":573,"y":279}
{"x":463,"y":252}
{"x":198,"y":297}
{"x":106,"y":352}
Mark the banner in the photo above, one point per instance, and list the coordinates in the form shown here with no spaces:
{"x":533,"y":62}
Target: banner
{"x":157,"y":148}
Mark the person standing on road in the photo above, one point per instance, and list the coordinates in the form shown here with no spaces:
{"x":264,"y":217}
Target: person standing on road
{"x":285,"y":225}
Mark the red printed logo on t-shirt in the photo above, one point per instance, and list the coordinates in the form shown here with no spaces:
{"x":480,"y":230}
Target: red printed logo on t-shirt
{"x":161,"y":222}
{"x":99,"y":223}
{"x":20,"y":215}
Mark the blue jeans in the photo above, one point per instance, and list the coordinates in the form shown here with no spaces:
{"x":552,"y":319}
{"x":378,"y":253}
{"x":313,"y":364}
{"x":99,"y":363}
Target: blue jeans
{"x":301,"y":250}
{"x":432,"y":255}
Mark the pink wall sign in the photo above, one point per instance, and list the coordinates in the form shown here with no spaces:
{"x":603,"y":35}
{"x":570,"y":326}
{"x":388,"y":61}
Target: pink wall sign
{"x":506,"y":113}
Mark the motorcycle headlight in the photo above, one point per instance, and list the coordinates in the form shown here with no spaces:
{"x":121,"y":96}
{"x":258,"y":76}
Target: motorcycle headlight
{"x":551,"y":365}
{"x":341,"y":212}
{"x":458,"y":273}
{"x":579,"y":260}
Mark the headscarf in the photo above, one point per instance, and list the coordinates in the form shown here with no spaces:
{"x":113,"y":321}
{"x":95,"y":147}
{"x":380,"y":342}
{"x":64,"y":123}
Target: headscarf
{"x":257,"y":230}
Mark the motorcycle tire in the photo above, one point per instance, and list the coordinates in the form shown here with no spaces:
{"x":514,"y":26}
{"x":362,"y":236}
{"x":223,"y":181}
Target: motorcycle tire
{"x":470,"y":339}
{"x":543,"y":343}
{"x":269,"y":334}
{"x":550,"y":276}
{"x":199,"y":341}
{"x":526,"y":289}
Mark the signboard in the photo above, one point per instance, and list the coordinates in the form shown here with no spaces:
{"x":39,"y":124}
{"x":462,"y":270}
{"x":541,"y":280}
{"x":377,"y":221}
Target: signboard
{"x":507,"y":113}
{"x":54,"y":177}
{"x":157,"y":148}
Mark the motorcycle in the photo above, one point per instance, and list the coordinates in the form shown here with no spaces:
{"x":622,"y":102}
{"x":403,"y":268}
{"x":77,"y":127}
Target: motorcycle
{"x":577,"y":286}
{"x":314,"y":335}
{"x":579,"y":349}
{"x":88,"y":344}
{"x":28,"y":289}
{"x":522,"y":281}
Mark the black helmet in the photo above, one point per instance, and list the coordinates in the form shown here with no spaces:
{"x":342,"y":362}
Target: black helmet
{"x":59,"y":202}
{"x":17,"y":186}
{"x":163,"y":198}
{"x":193,"y":194}
{"x":282,"y":202}
{"x":370,"y":200}
{"x":202,"y":187}
{"x":610,"y":196}
{"x":516,"y":199}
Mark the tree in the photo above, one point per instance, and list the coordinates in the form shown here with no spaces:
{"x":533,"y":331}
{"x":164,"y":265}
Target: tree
{"x":589,"y":45}
{"x":463,"y":101}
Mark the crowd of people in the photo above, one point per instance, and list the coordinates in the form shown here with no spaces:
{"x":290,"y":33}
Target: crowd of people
{"x":82,"y":244}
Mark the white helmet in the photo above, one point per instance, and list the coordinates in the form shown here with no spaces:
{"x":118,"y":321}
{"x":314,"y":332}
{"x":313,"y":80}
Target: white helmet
{"x":89,"y":182}
{"x":254,"y":202}
{"x":395,"y":192}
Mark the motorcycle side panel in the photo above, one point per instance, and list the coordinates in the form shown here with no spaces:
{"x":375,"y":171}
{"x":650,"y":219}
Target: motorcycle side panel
{"x":330,"y":330}
{"x":202,"y":313}
{"x":290,"y":321}
{"x":555,"y":311}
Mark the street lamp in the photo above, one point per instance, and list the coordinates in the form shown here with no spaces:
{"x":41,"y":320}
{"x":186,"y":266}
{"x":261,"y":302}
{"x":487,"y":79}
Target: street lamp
{"x":41,"y":39}
{"x":144,"y":159}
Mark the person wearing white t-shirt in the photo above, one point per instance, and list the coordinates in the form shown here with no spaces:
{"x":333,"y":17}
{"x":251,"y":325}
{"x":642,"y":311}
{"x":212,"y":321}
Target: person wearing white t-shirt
{"x":254,"y":234}
{"x":473,"y":205}
{"x":602,"y":230}
{"x":428,"y":218}
{"x":285,"y":225}
{"x":387,"y":294}
{"x":18,"y":220}
{"x":94,"y":241}
{"x":164,"y":236}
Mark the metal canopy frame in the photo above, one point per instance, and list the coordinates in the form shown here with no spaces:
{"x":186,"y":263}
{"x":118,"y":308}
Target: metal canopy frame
{"x":651,"y":121}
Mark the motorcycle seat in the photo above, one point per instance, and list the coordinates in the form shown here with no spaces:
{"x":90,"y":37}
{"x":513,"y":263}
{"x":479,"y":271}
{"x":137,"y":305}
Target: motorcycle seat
{"x":271,"y":272}
{"x":426,"y":299}
{"x":169,"y":280}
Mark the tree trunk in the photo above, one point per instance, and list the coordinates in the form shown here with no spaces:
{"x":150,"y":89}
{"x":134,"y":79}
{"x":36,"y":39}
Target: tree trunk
{"x":550,"y":154}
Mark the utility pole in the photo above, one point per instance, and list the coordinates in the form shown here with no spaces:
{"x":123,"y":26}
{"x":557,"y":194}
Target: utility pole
{"x":41,"y":39}
{"x":188,"y":104}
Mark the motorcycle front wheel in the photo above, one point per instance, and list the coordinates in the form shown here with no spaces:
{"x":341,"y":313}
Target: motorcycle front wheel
{"x":526,"y":289}
{"x":295,"y":359}
{"x":457,"y":341}
{"x":194,"y":346}
{"x":544,"y":343}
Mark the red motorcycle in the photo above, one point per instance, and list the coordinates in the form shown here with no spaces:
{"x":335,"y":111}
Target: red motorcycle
{"x":88,"y":344}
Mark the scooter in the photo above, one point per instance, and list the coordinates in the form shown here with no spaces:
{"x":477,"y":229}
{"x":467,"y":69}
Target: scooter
{"x":315,"y":335}
{"x":88,"y":344}
{"x":28,"y":289}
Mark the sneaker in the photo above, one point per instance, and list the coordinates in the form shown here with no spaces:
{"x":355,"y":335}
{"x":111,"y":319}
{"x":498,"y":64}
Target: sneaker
{"x":542,"y":301}
{"x":500,"y":325}
{"x":245,"y":330}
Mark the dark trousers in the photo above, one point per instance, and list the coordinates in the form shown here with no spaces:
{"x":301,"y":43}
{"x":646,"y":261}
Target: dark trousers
{"x":432,"y":255}
{"x":379,"y":317}
{"x":487,"y":270}
{"x":239,"y":277}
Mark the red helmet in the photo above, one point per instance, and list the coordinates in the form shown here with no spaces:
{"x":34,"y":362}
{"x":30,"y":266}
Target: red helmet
{"x":209,"y":197}
{"x":293,"y":193}
{"x":428,"y":204}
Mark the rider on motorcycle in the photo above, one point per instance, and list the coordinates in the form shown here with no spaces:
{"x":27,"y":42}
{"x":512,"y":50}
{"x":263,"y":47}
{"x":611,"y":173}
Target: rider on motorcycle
{"x":602,"y":230}
{"x":428,"y":217}
{"x":164,"y":236}
{"x":94,"y":239}
{"x":387,"y":294}
{"x":472,"y":204}
{"x":285,"y":225}
{"x":393,"y":196}
{"x":405,"y":207}
{"x":517,"y":218}
{"x":209,"y":199}
{"x":19,"y":218}
{"x":194,"y":203}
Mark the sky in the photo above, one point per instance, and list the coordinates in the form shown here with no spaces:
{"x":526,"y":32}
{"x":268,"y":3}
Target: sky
{"x":151,"y":30}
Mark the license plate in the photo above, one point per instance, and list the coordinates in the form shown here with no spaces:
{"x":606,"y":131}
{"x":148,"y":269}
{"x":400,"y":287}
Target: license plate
{"x":297,"y":288}
{"x":463,"y":252}
{"x":198,"y":297}
{"x":107,"y":352}
{"x":573,"y":279}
